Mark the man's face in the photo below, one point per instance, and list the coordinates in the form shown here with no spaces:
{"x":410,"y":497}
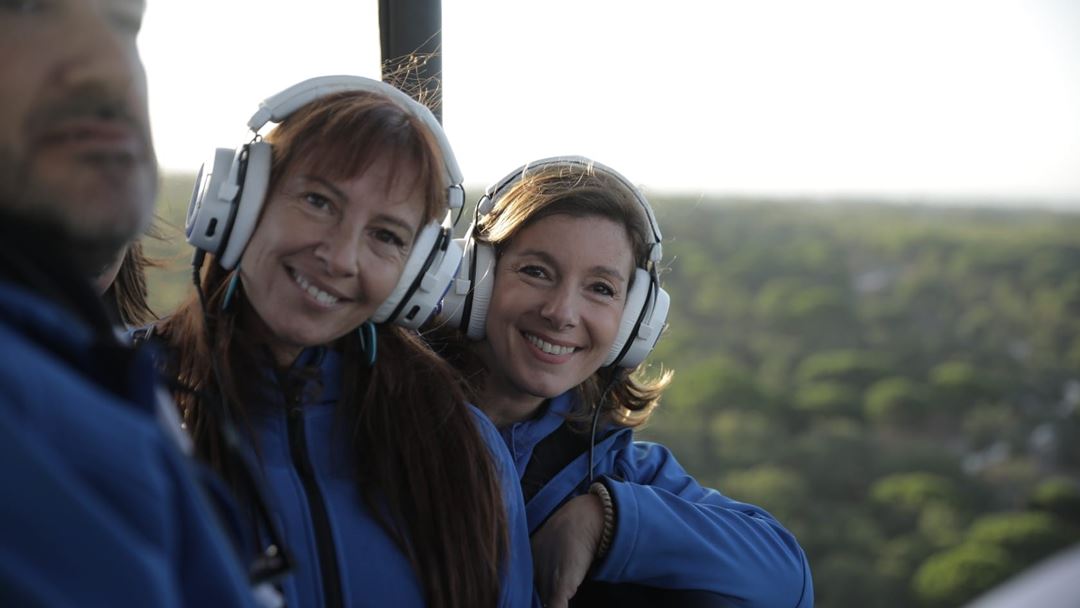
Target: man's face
{"x":75,"y":150}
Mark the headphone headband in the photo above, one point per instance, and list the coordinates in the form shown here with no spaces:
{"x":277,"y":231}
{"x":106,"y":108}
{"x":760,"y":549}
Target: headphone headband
{"x":278,"y":107}
{"x":495,"y":192}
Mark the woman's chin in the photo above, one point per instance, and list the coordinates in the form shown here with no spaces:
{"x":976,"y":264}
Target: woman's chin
{"x":547,"y":390}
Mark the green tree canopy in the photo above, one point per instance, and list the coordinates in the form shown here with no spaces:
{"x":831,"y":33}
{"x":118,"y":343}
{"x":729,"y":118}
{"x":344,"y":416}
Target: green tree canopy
{"x":1025,"y":536}
{"x":953,"y":577}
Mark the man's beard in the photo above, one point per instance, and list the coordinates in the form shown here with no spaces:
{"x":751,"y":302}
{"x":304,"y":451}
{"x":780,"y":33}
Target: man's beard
{"x":91,"y":243}
{"x":92,"y":234}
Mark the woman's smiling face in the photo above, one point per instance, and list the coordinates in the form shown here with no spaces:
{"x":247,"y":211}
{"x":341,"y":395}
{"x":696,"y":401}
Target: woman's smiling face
{"x":559,"y":292}
{"x":327,"y":252}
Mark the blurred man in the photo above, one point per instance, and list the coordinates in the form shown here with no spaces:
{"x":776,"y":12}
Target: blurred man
{"x":75,"y":152}
{"x":100,"y":507}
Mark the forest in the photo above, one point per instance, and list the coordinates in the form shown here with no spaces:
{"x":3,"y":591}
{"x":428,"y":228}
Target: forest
{"x":899,"y":384}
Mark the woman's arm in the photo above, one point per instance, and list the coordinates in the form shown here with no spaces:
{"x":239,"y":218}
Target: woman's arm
{"x":671,"y":532}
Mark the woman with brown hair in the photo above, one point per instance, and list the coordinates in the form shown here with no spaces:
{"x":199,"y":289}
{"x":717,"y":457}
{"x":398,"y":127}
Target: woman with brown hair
{"x":388,"y":487}
{"x":557,"y":301}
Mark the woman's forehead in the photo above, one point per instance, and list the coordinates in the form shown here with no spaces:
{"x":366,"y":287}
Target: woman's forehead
{"x":592,"y":240}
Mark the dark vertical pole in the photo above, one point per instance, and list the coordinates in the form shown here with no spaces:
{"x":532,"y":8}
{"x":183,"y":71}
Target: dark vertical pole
{"x":414,"y":26}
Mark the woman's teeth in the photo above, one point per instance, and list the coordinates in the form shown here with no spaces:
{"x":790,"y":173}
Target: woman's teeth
{"x":320,"y":296}
{"x":547,"y":347}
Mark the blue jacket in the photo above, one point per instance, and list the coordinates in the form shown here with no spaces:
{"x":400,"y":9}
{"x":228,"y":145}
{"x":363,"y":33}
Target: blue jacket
{"x":100,"y":506}
{"x":670,"y":531}
{"x":311,"y":482}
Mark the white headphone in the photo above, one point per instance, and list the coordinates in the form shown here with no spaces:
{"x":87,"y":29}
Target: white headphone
{"x":231,"y":188}
{"x":466,"y":304}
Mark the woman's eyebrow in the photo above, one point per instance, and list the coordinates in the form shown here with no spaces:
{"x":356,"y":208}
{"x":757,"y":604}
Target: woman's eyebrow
{"x":325,"y":184}
{"x":397,"y":221}
{"x":608,"y":271}
{"x":544,"y":256}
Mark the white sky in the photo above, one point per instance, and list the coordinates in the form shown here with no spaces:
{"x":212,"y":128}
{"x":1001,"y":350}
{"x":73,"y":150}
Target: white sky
{"x":900,"y":98}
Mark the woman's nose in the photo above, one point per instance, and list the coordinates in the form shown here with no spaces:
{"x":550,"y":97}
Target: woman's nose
{"x":560,"y":309}
{"x":340,"y":252}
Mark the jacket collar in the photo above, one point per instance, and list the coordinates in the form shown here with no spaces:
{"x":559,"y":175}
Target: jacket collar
{"x":315,"y":376}
{"x":521,"y":437}
{"x":96,"y":354}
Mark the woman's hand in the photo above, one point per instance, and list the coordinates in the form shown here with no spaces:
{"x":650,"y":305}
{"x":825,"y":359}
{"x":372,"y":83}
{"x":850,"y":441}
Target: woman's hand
{"x":564,"y":547}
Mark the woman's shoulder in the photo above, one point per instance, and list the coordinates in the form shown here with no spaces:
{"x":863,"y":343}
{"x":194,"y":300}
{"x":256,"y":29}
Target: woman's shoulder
{"x":500,"y":452}
{"x":484,"y":425}
{"x":644,"y":457}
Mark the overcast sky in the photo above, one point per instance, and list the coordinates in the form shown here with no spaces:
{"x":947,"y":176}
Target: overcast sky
{"x":911,"y":98}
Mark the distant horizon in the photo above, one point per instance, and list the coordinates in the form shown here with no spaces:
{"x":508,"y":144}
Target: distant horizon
{"x":1018,"y":203}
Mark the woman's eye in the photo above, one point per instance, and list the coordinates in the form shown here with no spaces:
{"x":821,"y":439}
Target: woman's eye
{"x":535,"y":272}
{"x":603,"y":289}
{"x":389,"y":237}
{"x":317,"y":201}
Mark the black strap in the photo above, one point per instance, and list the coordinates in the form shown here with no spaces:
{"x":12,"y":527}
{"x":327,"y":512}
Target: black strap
{"x":630,"y":595}
{"x":550,"y":456}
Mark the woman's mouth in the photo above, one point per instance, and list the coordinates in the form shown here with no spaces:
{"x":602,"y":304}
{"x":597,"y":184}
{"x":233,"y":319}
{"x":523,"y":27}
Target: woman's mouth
{"x":320,"y":296}
{"x":547,"y":347}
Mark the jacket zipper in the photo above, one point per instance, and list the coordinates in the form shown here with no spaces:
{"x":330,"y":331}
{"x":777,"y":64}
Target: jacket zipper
{"x":324,"y":539}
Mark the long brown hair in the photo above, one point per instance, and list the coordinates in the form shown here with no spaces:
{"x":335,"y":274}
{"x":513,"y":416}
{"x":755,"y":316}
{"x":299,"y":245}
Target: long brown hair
{"x":128,"y":295}
{"x":577,"y":190}
{"x":423,"y":468}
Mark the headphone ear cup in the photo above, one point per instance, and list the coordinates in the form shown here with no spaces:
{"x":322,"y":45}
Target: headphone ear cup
{"x":454,"y":300}
{"x":466,"y":303}
{"x":645,"y":312}
{"x":483,"y":285}
{"x":636,"y":299}
{"x":430,"y":297}
{"x":648,"y":333}
{"x":415,"y":266}
{"x":428,"y":289}
{"x":254,"y":181}
{"x":208,"y":214}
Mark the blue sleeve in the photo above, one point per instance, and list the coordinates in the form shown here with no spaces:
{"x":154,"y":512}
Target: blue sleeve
{"x":63,"y":546}
{"x":69,"y":543}
{"x":208,"y":564}
{"x":673,"y":533}
{"x":517,"y":580}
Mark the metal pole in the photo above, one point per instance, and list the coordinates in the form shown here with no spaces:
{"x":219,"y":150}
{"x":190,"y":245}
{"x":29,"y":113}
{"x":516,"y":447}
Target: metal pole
{"x":414,"y":28}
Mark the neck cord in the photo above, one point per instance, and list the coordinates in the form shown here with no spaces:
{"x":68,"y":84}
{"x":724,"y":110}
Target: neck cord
{"x":616,"y":376}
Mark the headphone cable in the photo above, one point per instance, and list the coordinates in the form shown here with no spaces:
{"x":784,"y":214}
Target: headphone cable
{"x":617,"y":375}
